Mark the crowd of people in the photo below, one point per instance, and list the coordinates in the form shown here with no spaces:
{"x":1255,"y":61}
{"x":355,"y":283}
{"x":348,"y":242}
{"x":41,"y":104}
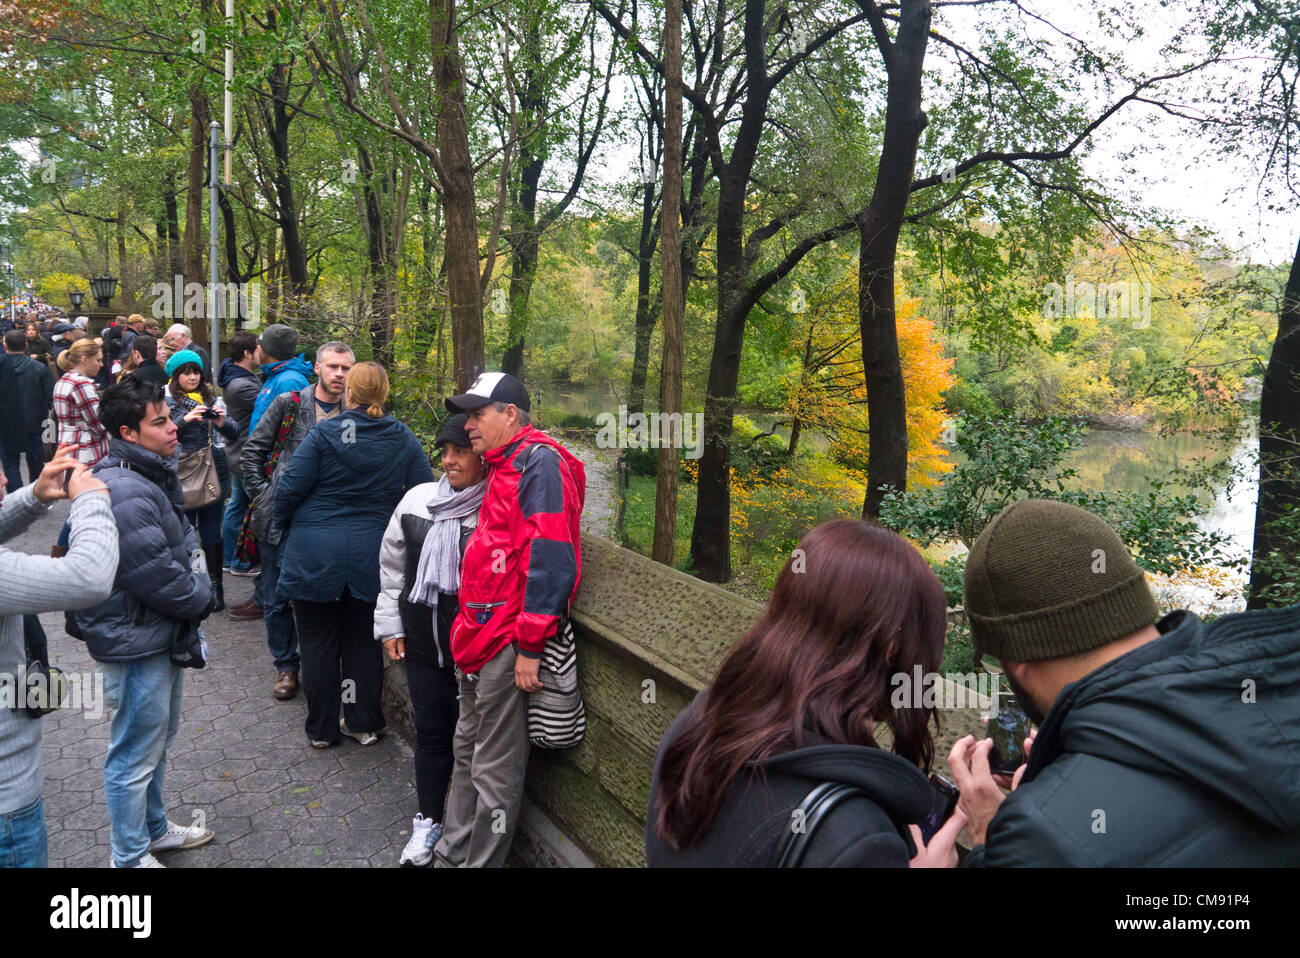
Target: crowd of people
{"x":296,"y":474}
{"x":1160,"y":740}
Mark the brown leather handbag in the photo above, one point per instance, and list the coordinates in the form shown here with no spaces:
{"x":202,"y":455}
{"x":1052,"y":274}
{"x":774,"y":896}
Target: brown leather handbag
{"x":198,"y":475}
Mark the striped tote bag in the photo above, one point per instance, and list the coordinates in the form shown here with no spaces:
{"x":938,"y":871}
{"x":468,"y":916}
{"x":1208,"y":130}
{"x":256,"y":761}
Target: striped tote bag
{"x":556,"y":716}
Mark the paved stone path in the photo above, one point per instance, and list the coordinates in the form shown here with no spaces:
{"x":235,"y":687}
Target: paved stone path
{"x":240,"y":761}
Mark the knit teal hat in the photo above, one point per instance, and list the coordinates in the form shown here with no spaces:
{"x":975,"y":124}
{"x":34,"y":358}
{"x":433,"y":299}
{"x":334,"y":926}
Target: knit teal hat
{"x":180,"y":359}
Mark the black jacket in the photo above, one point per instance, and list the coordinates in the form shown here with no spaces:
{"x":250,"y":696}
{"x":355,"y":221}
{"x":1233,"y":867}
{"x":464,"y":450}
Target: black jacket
{"x":258,"y":445}
{"x":239,"y":388}
{"x":756,"y":817}
{"x":26,"y":391}
{"x":1184,"y":752}
{"x":156,"y":586}
{"x":150,"y":371}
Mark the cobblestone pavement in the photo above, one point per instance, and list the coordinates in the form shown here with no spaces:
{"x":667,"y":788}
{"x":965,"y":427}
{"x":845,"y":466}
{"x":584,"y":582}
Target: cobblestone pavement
{"x":241,"y":762}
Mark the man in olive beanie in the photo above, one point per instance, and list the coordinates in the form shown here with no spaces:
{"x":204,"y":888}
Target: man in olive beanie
{"x":1161,"y":741}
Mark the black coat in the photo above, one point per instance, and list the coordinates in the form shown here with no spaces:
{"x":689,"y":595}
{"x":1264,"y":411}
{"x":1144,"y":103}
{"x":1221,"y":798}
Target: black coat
{"x":755,"y":817}
{"x":26,"y":391}
{"x":150,"y":371}
{"x":1184,"y":752}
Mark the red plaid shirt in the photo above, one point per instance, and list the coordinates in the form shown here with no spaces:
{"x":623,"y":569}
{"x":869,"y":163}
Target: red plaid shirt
{"x":76,"y":409}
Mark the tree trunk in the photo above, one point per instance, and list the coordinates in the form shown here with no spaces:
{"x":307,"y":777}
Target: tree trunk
{"x":1279,"y":443}
{"x":878,"y":229}
{"x":276,"y":118}
{"x":195,"y":238}
{"x":383,"y":296}
{"x":523,"y":259}
{"x":458,"y":198}
{"x":646,"y":313}
{"x":174,"y":264}
{"x":670,"y":377}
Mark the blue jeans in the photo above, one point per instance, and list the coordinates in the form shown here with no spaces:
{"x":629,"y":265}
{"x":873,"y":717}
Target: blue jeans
{"x":22,"y":838}
{"x":281,"y":633}
{"x":230,"y":524}
{"x":17,"y":446}
{"x":146,"y":699}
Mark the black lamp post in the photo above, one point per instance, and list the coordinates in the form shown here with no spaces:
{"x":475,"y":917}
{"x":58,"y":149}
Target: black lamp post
{"x":76,"y":297}
{"x":103,"y":289}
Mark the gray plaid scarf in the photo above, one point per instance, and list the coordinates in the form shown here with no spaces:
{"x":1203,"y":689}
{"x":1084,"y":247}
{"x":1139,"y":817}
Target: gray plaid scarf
{"x":439,"y":569}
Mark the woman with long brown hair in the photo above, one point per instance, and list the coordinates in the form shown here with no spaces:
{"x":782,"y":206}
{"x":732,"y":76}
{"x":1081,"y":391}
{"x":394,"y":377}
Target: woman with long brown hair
{"x":796,"y":704}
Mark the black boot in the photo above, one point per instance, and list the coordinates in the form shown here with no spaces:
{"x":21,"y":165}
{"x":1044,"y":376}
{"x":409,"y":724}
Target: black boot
{"x":212,"y":555}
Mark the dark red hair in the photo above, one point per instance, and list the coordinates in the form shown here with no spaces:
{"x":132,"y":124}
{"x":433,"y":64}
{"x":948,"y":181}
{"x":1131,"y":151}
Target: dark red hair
{"x":854,"y":605}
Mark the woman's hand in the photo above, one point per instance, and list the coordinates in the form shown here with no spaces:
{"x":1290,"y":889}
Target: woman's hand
{"x":395,"y":647}
{"x":195,"y":414}
{"x":942,"y":850}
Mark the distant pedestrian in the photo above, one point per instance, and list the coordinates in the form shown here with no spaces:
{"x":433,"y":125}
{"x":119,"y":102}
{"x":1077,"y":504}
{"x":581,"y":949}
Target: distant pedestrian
{"x":333,"y":503}
{"x":179,"y":337}
{"x":145,"y":365}
{"x":26,"y":392}
{"x":76,"y":404}
{"x":240,"y":383}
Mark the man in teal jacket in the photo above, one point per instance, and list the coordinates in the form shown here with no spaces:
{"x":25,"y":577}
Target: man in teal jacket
{"x":1161,"y":742}
{"x":282,"y":371}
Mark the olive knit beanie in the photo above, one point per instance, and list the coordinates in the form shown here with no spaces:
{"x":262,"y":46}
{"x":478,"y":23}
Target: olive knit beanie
{"x":1045,"y":580}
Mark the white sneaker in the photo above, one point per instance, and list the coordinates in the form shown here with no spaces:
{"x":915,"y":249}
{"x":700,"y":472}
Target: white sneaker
{"x":146,"y":861}
{"x":419,"y":850}
{"x":365,"y":738}
{"x":178,"y":836}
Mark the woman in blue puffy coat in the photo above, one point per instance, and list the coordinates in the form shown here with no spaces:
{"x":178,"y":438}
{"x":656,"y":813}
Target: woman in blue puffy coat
{"x":333,"y":503}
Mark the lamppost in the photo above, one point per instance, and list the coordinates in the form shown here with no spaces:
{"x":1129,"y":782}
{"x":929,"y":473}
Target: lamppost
{"x":103,"y":288}
{"x":76,"y":298}
{"x":9,"y":281}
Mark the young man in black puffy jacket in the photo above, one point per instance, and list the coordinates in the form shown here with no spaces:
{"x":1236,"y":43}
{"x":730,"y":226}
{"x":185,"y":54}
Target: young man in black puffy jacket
{"x":161,"y":587}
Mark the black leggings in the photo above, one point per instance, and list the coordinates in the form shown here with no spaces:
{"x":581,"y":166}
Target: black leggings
{"x":433,"y":700}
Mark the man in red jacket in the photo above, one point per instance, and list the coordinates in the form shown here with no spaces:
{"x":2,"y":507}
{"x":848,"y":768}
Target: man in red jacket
{"x":518,"y":577}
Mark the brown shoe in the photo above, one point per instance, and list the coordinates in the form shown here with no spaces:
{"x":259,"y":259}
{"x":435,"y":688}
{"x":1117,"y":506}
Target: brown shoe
{"x":286,"y":685}
{"x":246,"y":610}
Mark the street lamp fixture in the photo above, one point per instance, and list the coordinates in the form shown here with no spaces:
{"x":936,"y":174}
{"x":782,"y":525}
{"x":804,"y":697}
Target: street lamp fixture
{"x":103,"y":288}
{"x":76,"y":297}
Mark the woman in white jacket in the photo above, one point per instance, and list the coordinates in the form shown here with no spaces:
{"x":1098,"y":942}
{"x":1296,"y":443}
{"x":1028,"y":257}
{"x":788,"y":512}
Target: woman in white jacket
{"x":419,"y":576}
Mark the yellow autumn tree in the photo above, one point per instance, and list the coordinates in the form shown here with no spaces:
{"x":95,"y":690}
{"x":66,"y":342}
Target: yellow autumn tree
{"x":830,"y":393}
